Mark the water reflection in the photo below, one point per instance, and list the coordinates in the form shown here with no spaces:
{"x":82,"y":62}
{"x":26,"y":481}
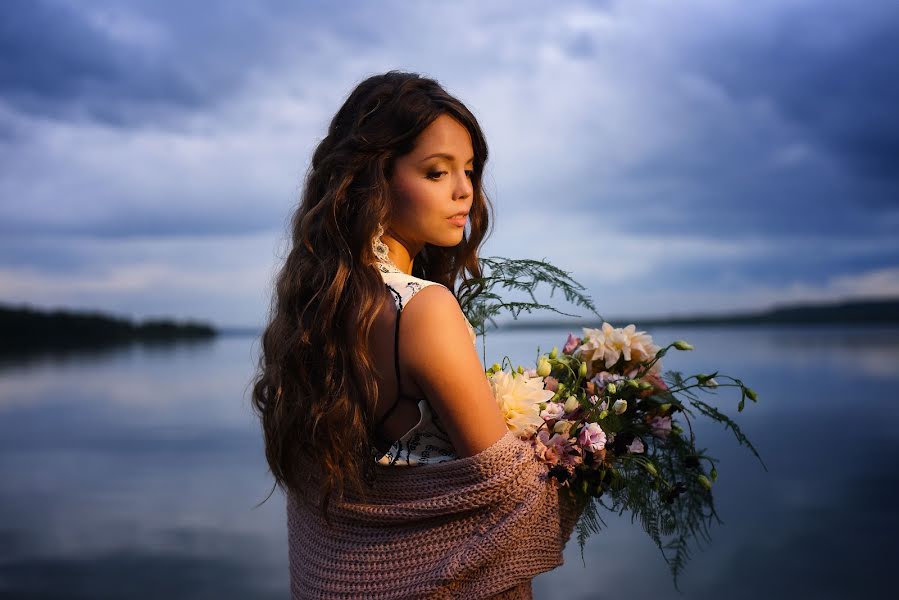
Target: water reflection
{"x":135,"y":474}
{"x":14,"y":357}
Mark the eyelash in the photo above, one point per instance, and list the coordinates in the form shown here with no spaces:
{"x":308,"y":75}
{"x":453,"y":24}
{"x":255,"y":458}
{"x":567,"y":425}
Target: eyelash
{"x":470,"y":174}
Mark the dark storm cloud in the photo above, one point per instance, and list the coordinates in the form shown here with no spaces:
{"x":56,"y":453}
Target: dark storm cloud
{"x":55,"y":63}
{"x":780,"y":268}
{"x":235,"y":219}
{"x":787,"y":128}
{"x":57,"y":60}
{"x":740,"y":198}
{"x":832,"y":70}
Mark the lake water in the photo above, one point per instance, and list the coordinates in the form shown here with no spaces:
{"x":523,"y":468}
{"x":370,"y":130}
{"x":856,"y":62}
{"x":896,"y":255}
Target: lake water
{"x":134,"y":473}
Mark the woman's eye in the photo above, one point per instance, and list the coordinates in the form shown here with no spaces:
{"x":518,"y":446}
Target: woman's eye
{"x":436,"y":174}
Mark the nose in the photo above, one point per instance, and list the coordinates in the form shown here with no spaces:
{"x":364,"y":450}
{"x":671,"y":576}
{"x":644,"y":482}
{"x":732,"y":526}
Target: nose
{"x":464,"y":187}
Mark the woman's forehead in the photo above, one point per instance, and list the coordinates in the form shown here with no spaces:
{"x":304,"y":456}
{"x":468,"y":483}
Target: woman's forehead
{"x":445,"y":137}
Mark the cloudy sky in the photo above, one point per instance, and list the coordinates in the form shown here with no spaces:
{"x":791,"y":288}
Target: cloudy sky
{"x":676,"y":157}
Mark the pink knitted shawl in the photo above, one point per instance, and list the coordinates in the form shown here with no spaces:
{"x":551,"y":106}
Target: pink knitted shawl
{"x":473,"y":527}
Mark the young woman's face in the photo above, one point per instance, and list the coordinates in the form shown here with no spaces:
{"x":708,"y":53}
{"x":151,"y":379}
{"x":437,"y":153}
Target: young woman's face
{"x":429,"y":192}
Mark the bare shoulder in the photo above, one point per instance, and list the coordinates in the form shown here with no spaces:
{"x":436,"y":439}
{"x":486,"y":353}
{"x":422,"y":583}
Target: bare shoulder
{"x":437,"y":352}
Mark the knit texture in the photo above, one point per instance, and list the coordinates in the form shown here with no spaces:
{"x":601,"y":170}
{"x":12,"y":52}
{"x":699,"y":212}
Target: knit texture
{"x":475,"y":527}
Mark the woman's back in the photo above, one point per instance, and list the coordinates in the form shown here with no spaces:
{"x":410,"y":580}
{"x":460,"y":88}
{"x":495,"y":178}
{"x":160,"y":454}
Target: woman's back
{"x":409,"y":431}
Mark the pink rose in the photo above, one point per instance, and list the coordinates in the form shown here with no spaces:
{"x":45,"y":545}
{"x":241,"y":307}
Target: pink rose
{"x":603,"y":378}
{"x":550,"y":383}
{"x":556,"y":449}
{"x":592,"y":437}
{"x":547,"y":446}
{"x":656,"y":381}
{"x":571,"y":344}
{"x":636,"y":447}
{"x":573,"y":455}
{"x":661,"y":426}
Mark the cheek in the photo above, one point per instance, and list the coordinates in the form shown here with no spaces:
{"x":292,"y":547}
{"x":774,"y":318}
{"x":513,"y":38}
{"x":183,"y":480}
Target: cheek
{"x":416,"y":203}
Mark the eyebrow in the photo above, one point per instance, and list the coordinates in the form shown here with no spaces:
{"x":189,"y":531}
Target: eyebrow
{"x":449,"y":157}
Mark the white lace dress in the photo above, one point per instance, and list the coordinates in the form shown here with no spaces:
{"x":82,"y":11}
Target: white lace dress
{"x":427,"y":442}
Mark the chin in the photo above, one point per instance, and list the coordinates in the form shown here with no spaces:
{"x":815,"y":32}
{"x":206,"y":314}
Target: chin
{"x":449,"y":241}
{"x":453,"y":241}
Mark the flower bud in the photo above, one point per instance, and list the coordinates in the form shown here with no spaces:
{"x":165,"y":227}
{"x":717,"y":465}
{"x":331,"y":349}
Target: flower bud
{"x":664,"y":407}
{"x":751,"y":393}
{"x":713,"y":474}
{"x":520,"y":370}
{"x":543,"y":367}
{"x":603,"y":414}
{"x":711,"y":383}
{"x":645,"y":385}
{"x":620,"y":406}
{"x":632,"y":383}
{"x":682,"y":345}
{"x":611,"y":388}
{"x":582,"y":370}
{"x":562,"y":426}
{"x":704,"y":481}
{"x":571,"y":404}
{"x":496,"y":367}
{"x":554,"y":352}
{"x":651,"y":468}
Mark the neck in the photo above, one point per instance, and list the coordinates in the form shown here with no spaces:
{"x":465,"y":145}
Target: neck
{"x":399,"y":254}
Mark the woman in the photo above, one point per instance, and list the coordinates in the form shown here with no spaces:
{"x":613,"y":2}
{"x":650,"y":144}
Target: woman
{"x":401,"y":476}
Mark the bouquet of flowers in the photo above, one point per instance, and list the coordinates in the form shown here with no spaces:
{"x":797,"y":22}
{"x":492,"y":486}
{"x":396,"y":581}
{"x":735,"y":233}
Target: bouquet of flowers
{"x":606,"y":418}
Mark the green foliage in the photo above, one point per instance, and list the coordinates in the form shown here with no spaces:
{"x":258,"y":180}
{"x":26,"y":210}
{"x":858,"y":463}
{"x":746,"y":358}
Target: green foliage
{"x":480,"y":303}
{"x":671,"y":524}
{"x":588,"y":524}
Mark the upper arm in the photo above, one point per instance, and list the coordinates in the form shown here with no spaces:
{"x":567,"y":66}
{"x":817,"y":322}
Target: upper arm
{"x":437,"y":351}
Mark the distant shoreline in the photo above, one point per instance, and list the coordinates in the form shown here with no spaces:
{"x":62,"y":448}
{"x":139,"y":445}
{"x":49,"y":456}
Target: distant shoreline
{"x":25,"y":330}
{"x":855,"y":312}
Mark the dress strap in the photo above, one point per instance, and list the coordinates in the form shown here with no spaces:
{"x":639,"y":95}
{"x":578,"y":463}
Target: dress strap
{"x":396,"y":355}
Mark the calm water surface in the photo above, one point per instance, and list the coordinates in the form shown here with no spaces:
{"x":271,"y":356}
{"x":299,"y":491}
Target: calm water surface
{"x":134,"y":473}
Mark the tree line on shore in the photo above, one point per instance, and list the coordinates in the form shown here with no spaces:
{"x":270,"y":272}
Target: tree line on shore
{"x":24,"y":329}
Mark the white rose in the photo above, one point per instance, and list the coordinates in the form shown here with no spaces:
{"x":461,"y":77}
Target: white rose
{"x":553,"y":411}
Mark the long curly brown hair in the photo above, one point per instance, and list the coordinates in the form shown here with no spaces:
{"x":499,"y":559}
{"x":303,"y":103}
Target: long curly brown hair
{"x":314,"y":373}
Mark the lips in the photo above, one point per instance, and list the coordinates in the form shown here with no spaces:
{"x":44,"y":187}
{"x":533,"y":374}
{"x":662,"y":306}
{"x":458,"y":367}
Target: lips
{"x":459,"y":219}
